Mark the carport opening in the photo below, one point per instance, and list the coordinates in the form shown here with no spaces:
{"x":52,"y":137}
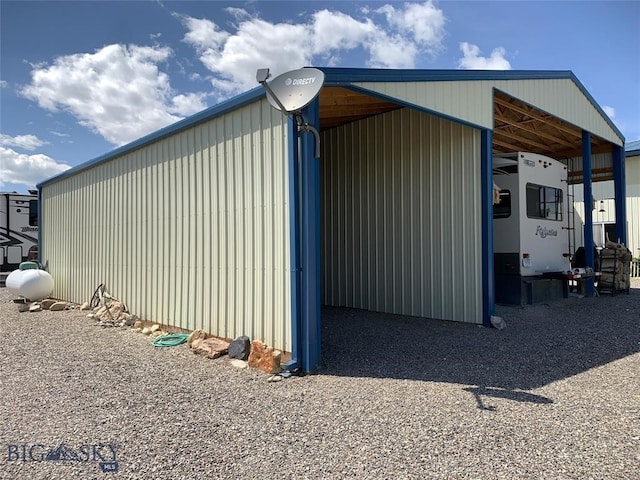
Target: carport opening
{"x":525,"y":259}
{"x":350,"y":122}
{"x":390,"y":179}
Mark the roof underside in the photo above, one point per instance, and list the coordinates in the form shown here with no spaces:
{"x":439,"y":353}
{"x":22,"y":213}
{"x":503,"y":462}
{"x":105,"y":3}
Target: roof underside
{"x":517,"y":126}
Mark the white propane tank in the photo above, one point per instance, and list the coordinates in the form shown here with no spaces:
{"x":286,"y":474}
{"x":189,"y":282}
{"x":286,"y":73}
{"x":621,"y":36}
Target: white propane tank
{"x":32,"y":284}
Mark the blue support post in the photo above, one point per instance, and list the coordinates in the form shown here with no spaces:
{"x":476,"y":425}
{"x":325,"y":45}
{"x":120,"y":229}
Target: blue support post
{"x":488,"y":280}
{"x":310,"y":190}
{"x":295,"y":242}
{"x":619,"y":182}
{"x":588,"y":209}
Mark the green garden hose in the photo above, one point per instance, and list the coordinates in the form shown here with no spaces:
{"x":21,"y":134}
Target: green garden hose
{"x":171,"y":340}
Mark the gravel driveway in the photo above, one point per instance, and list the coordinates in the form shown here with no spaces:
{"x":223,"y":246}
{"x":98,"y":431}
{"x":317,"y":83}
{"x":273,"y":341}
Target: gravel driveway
{"x":556,"y":395}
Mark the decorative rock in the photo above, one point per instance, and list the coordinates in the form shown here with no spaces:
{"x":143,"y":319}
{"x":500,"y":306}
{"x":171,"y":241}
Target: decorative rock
{"x":58,"y":306}
{"x":146,"y":330}
{"x":210,"y":347}
{"x":91,"y":315}
{"x":36,"y":307}
{"x":137,"y":329}
{"x":264,"y":358}
{"x":240,"y":348}
{"x":158,"y":333}
{"x":237,"y":363}
{"x":197,"y":335}
{"x":131,"y":320}
{"x":274,"y":378}
{"x":138,"y":324}
{"x":85,"y":306}
{"x":46,"y":304}
{"x":155,"y":327}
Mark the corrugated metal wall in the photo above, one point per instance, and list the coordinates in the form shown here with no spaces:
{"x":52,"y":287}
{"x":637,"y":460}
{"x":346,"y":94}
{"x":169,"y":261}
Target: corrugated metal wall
{"x":604,"y":191}
{"x":599,"y":161}
{"x":472,"y":101}
{"x":401,"y":217}
{"x":563,"y":99}
{"x":190,"y":231}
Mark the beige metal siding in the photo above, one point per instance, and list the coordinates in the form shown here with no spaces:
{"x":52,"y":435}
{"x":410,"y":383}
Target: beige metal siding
{"x":605,"y":191}
{"x":472,"y":101}
{"x":401,"y":217}
{"x":191,"y":231}
{"x":598,"y":161}
{"x":563,"y":99}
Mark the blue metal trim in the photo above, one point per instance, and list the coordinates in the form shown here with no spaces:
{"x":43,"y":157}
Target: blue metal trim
{"x":488,"y":280}
{"x":619,"y":185}
{"x":294,"y":241}
{"x":588,"y":213}
{"x":201,"y":117}
{"x":337,"y":74}
{"x":310,"y":189}
{"x":413,"y":106}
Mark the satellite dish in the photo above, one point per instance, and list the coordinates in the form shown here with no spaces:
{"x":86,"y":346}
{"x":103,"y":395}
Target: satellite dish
{"x":294,"y":90}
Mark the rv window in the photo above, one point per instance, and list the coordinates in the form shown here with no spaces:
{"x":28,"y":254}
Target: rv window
{"x":503,"y":209}
{"x":544,"y":202}
{"x":33,"y":212}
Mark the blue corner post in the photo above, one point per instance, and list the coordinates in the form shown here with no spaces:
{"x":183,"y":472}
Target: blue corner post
{"x":310,"y":334}
{"x":619,"y":183}
{"x":588,"y":209}
{"x":488,"y":280}
{"x":295,"y":242}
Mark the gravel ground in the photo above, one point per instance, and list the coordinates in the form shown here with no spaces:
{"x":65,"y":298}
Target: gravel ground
{"x":555,"y":395}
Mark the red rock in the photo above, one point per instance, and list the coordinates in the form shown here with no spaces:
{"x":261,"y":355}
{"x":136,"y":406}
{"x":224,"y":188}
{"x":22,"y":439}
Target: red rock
{"x":210,"y":347}
{"x":264,"y":358}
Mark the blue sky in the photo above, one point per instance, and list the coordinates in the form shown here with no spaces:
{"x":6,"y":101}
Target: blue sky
{"x":78,"y":79}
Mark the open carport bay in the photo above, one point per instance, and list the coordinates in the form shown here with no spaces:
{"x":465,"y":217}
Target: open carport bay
{"x":554,"y":395}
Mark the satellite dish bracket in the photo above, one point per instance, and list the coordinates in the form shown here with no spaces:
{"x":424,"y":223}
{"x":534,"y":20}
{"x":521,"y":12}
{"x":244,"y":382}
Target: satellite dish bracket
{"x":298,"y":88}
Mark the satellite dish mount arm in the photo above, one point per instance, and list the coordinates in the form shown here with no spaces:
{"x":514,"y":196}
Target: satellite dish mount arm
{"x":304,"y":126}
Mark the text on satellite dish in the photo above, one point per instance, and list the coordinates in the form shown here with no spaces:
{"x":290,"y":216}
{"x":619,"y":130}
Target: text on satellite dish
{"x":300,"y":81}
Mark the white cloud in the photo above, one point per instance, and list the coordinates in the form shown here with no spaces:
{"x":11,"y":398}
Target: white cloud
{"x":610,"y":111}
{"x":117,"y":91}
{"x":27,"y":170}
{"x":3,"y":84}
{"x":390,"y":36}
{"x":26,"y":142}
{"x":59,"y":134}
{"x":473,"y":61}
{"x":423,"y":21}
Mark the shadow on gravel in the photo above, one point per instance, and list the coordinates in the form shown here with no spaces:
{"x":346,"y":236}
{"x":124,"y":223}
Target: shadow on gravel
{"x":541,"y":344}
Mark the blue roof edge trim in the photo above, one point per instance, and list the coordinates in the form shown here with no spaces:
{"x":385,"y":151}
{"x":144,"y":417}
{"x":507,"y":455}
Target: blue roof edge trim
{"x":340,"y":76}
{"x":632,"y":149}
{"x":195,"y":119}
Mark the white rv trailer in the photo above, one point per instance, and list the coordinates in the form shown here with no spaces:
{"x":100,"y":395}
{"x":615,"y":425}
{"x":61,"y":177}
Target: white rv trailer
{"x":530,"y":220}
{"x":18,"y":229}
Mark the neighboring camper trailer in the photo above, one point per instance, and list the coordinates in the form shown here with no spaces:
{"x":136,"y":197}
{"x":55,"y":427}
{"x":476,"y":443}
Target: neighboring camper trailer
{"x":18,"y":229}
{"x":530,"y":226}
